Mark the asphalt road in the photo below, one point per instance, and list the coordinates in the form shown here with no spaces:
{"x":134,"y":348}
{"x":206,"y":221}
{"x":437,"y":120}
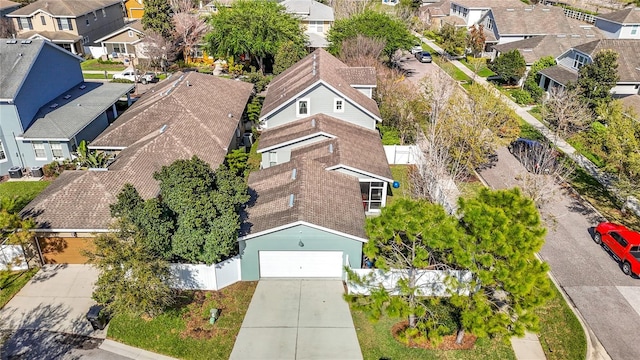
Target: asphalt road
{"x":608,"y":300}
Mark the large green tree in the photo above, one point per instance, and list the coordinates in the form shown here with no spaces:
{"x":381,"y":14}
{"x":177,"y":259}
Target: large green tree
{"x":157,"y":17}
{"x":258,"y":28}
{"x":373,"y":25}
{"x":454,"y":40}
{"x":510,"y":66}
{"x":595,"y":80}
{"x":533,"y":78}
{"x":504,"y":231}
{"x":411,"y":235}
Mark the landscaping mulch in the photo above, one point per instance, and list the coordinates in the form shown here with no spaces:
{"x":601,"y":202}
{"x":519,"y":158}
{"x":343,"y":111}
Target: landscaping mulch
{"x":448,"y":342}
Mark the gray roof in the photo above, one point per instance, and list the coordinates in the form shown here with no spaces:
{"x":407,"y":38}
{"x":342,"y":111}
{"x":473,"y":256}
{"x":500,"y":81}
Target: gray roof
{"x":309,"y":10}
{"x":316,"y":40}
{"x":135,"y":25}
{"x":63,"y":118}
{"x":632,"y":102}
{"x":560,"y":74}
{"x":531,"y":20}
{"x":628,"y":59}
{"x":68,"y":8}
{"x":16,"y":61}
{"x":436,"y":9}
{"x":630,"y":16}
{"x":317,"y":195}
{"x":6,"y":4}
{"x":55,"y":36}
{"x":317,"y":66}
{"x":488,"y":4}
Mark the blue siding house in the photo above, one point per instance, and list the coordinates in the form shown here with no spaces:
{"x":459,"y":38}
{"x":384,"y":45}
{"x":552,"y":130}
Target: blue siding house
{"x":46,"y":108}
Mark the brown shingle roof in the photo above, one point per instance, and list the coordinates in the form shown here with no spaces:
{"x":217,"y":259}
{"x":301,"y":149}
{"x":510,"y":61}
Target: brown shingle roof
{"x":197,"y":124}
{"x":359,"y":75}
{"x":527,"y":20}
{"x":317,"y":195}
{"x":560,"y":74}
{"x":353,"y":146}
{"x":301,"y":75}
{"x":632,"y":102}
{"x":628,"y":16}
{"x":6,"y":4}
{"x":628,"y":55}
{"x":51,"y":35}
{"x":64,"y":7}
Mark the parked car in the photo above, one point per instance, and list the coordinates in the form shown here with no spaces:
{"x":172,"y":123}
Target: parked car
{"x":536,"y":157}
{"x":423,"y":56}
{"x":416,"y":49}
{"x":133,"y":76}
{"x":623,"y":243}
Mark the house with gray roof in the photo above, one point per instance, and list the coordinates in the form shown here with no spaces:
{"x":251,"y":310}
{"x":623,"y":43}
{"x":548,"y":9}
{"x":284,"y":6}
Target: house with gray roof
{"x":71,"y":24}
{"x":125,"y":42}
{"x":316,"y":18}
{"x":320,"y":83}
{"x":570,"y":62}
{"x":471,"y":11}
{"x":46,"y":107}
{"x":186,"y":115}
{"x":622,"y":24}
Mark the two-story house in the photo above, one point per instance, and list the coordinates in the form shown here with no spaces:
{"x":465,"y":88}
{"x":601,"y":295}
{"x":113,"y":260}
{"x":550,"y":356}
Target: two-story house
{"x":470,"y":11}
{"x":316,"y":18}
{"x":125,"y":42}
{"x":623,"y":24}
{"x":73,"y":25}
{"x":46,"y":108}
{"x":570,"y":62}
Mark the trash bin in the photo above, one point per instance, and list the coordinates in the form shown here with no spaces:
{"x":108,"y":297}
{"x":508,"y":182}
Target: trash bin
{"x":36,"y":171}
{"x":98,"y":317}
{"x":15,"y":172}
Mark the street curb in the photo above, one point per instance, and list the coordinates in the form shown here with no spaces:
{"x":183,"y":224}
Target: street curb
{"x":130,"y":351}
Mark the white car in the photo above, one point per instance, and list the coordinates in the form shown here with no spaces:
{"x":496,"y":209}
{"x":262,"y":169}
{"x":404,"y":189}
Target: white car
{"x":132,"y":75}
{"x":416,"y":49}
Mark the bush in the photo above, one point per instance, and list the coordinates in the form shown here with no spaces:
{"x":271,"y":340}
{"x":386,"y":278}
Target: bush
{"x":109,"y":62}
{"x":124,"y":81}
{"x":522,"y":97}
{"x":256,"y":78}
{"x":390,"y":135}
{"x":54,"y":168}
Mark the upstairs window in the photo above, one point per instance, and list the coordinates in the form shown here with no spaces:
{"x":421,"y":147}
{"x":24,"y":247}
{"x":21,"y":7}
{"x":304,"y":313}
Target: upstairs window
{"x":579,"y":61}
{"x":316,"y":26}
{"x":338,"y":105}
{"x":43,"y":20}
{"x":302,"y":107}
{"x":25,"y":24}
{"x":64,"y":24}
{"x":634,"y":29}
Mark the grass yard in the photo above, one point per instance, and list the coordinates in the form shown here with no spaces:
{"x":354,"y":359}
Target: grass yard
{"x":377,"y":343}
{"x":93,"y":64}
{"x":561,"y":334}
{"x":453,"y":71}
{"x":185,"y":332}
{"x":96,"y":76}
{"x":483,"y":70}
{"x":22,"y":191}
{"x":12,"y":282}
{"x":529,"y":132}
{"x":400,"y":174}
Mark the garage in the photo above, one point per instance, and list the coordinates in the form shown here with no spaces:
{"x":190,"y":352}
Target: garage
{"x":64,"y":250}
{"x":300,"y":264}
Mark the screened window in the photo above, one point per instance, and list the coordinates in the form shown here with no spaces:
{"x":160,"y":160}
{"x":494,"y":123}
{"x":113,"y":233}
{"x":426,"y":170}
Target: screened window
{"x":372,"y":195}
{"x":302,"y":108}
{"x":273,"y":158}
{"x":38,"y":149}
{"x":56,"y":149}
{"x":634,"y":29}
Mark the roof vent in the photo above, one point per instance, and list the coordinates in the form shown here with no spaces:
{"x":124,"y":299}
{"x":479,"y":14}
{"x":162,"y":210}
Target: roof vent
{"x":545,"y":9}
{"x":313,"y":123}
{"x":26,"y":42}
{"x":590,"y":35}
{"x":67,"y":97}
{"x":294,"y":172}
{"x":575,"y":35}
{"x":163,"y":128}
{"x":510,"y":9}
{"x":53,"y":106}
{"x":562,"y":35}
{"x":82,"y":87}
{"x":331,"y":148}
{"x":291,"y":200}
{"x":527,"y":50}
{"x":188,"y":84}
{"x":229,"y":115}
{"x":12,"y":41}
{"x":528,"y":9}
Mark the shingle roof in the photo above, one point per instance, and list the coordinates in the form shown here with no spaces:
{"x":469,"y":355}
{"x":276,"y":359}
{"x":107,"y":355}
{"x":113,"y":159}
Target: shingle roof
{"x":359,"y":75}
{"x":317,"y":195}
{"x":197,"y":122}
{"x":5,"y":4}
{"x":439,"y":8}
{"x":633,"y":102}
{"x":301,"y":76}
{"x":71,"y":8}
{"x":560,"y":74}
{"x":628,"y":16}
{"x":487,"y":4}
{"x":60,"y":36}
{"x":132,"y":25}
{"x":354,"y":147}
{"x":15,"y":62}
{"x":628,"y":59}
{"x":309,"y":9}
{"x":63,"y":118}
{"x":528,"y":20}
{"x":316,"y":40}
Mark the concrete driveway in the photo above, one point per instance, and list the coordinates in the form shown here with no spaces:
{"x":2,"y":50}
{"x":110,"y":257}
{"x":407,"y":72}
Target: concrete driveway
{"x":56,"y":299}
{"x":297,"y":319}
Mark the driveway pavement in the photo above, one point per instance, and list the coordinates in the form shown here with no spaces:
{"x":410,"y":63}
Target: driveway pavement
{"x":608,"y":300}
{"x":297,"y":319}
{"x":415,"y":71}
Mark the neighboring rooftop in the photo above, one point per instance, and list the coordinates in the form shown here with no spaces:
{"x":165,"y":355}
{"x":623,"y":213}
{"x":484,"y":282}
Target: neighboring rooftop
{"x":630,"y":16}
{"x":628,"y":59}
{"x":309,"y":10}
{"x":317,"y":66}
{"x":560,"y":74}
{"x":488,"y":4}
{"x":301,"y":190}
{"x":135,"y":25}
{"x":531,"y":20}
{"x":6,"y":4}
{"x":71,"y":8}
{"x":632,"y":102}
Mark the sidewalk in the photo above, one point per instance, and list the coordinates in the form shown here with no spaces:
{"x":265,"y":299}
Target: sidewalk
{"x":131,"y":352}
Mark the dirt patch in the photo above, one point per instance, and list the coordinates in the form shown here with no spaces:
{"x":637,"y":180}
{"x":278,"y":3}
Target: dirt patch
{"x":448,"y":342}
{"x":197,"y":325}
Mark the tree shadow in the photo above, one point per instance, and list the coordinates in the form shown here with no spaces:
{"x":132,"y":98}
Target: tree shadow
{"x":579,"y":205}
{"x":47,"y":272}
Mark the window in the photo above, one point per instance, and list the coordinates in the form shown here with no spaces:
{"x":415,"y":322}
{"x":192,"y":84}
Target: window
{"x":273,"y":158}
{"x":130,"y":33}
{"x":579,"y":61}
{"x":85,"y":40}
{"x":3,"y":155}
{"x":104,"y":13}
{"x":118,"y":48}
{"x":25,"y":24}
{"x":95,"y":16}
{"x":338,"y":105}
{"x":372,"y":195}
{"x":56,"y":149}
{"x":43,"y":20}
{"x":302,"y":107}
{"x":38,"y":149}
{"x":634,"y":29}
{"x":197,"y":53}
{"x":316,"y":26}
{"x":64,"y":24}
{"x":86,"y":20}
{"x":618,"y":238}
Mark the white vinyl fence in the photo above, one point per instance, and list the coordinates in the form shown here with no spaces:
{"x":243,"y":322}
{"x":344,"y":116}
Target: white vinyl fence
{"x":430,"y":282}
{"x":401,"y":154}
{"x":205,"y":277}
{"x":12,"y":258}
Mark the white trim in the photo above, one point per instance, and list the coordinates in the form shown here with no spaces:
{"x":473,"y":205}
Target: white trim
{"x":300,"y":100}
{"x":293,"y":224}
{"x":290,"y":142}
{"x":335,"y":105}
{"x":293,"y":98}
{"x":340,"y":166}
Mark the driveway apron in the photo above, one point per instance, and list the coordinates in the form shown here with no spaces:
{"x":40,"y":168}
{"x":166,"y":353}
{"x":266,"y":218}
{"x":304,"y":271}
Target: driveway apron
{"x":297,"y":319}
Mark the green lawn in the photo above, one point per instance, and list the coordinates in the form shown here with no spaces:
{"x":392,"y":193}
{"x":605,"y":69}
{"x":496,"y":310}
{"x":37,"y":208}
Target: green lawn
{"x":483,"y":71}
{"x":400,"y":174}
{"x":453,"y":71}
{"x":184,"y":332}
{"x":12,"y":282}
{"x":22,"y":191}
{"x":93,"y":64}
{"x":96,"y":76}
{"x":376,"y":342}
{"x":529,"y":132}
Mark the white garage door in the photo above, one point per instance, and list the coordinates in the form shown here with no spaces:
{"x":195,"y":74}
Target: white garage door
{"x":301,"y":264}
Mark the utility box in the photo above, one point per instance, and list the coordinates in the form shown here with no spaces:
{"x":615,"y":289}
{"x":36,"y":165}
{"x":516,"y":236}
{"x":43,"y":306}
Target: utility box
{"x":15,"y":172}
{"x":36,"y":171}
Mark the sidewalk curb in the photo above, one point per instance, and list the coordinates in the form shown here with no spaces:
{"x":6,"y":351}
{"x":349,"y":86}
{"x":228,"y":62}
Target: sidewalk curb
{"x":130,"y":351}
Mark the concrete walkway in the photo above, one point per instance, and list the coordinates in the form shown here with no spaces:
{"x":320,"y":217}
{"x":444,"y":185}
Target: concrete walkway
{"x":297,"y":319}
{"x":130,"y":351}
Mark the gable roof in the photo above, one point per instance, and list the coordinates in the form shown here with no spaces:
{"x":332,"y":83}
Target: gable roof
{"x":135,"y":25}
{"x":353,"y":146}
{"x":488,"y":4}
{"x":436,"y":9}
{"x":630,"y":16}
{"x":315,"y":67}
{"x":560,"y":74}
{"x":309,"y":10}
{"x":317,"y":195}
{"x":65,"y":8}
{"x":16,"y":60}
{"x":530,"y":20}
{"x":628,"y":60}
{"x":57,"y":36}
{"x":195,"y":108}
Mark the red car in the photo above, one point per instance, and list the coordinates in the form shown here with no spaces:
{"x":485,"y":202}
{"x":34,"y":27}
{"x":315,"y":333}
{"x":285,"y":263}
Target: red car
{"x":623,"y":243}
